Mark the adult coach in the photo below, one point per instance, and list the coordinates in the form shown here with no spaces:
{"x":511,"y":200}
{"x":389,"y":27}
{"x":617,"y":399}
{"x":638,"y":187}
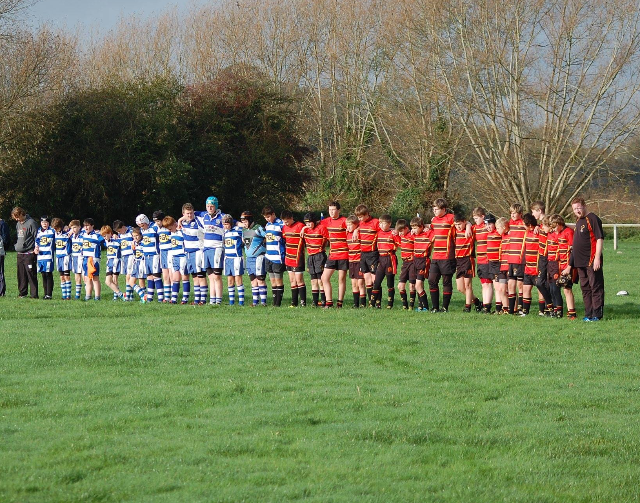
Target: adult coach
{"x":586,"y":257}
{"x":27,"y":229}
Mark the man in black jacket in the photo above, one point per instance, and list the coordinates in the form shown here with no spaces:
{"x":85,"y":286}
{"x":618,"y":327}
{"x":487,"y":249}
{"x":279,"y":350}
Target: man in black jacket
{"x":27,"y":230}
{"x":4,"y":246}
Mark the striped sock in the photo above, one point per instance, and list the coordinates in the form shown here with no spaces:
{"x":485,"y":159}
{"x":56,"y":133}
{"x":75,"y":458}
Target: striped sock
{"x":150,"y":289}
{"x":232,"y":294}
{"x":160,"y":289}
{"x":168,"y":288}
{"x":78,"y":290}
{"x":139,"y":291}
{"x":241,"y":295}
{"x":196,"y":294}
{"x":263,"y":294}
{"x":175,"y":289}
{"x":255,"y":294}
{"x":128,"y":295}
{"x":186,"y":289}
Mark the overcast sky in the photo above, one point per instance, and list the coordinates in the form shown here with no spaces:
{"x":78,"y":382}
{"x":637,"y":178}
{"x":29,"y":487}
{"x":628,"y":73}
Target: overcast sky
{"x":101,"y":14}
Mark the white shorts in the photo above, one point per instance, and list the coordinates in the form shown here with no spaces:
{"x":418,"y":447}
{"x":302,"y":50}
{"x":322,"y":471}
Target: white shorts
{"x":76,"y":264}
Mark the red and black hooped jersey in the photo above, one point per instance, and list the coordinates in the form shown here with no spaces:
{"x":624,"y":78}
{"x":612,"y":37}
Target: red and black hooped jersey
{"x":552,"y":247}
{"x":422,"y":243}
{"x":504,"y":252}
{"x":480,"y":234}
{"x":542,"y":241}
{"x":531,"y":253}
{"x":515,"y":252}
{"x":315,"y":239}
{"x":292,"y":244}
{"x":368,"y":233}
{"x":464,"y":245}
{"x":355,"y":248}
{"x":565,"y":242}
{"x":386,"y":242}
{"x":443,"y":237}
{"x":406,"y":244}
{"x":493,"y":246}
{"x":337,"y":230}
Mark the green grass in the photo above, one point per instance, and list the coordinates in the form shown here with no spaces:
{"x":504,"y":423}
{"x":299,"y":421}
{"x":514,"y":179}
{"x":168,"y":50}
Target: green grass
{"x":127,"y":402}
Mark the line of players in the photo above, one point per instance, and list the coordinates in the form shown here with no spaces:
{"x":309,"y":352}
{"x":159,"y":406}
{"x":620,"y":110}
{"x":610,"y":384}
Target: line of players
{"x":161,"y":256}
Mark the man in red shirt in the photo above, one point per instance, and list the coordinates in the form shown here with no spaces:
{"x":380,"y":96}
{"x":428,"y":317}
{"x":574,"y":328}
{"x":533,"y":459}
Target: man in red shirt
{"x":315,"y":238}
{"x":294,"y":258}
{"x":338,"y":254}
{"x":367,"y":233}
{"x":443,"y":263}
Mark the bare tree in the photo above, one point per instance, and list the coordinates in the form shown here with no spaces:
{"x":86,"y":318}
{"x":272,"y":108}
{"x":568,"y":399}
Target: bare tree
{"x":545,"y":92}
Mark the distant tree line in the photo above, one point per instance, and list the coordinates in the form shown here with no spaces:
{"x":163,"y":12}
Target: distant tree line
{"x":386,"y":103}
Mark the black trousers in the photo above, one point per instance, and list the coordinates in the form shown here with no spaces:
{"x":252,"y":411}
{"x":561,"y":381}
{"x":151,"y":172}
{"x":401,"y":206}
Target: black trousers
{"x":27,"y":274}
{"x":3,"y":283}
{"x":592,"y":286}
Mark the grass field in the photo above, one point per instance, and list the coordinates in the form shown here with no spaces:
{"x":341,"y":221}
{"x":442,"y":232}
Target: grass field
{"x":127,"y":402}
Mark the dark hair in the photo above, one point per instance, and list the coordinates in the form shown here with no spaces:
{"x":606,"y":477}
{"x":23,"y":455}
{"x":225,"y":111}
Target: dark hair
{"x":286,"y":214}
{"x":385,"y":218}
{"x":529,"y":220}
{"x":117,"y":224}
{"x":311,"y":217}
{"x":401,"y":223}
{"x":335,"y":203}
{"x":352,"y":219}
{"x":157,"y":215}
{"x":459,"y":217}
{"x":89,"y":221}
{"x":267,"y":210}
{"x":417,"y":221}
{"x":441,"y":203}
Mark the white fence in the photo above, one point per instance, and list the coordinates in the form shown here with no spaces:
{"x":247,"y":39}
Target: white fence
{"x":615,"y":231}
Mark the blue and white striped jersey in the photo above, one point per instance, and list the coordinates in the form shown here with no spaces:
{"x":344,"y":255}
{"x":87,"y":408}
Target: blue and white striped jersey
{"x":150,"y":241}
{"x":92,"y":243}
{"x":233,"y":243}
{"x":76,"y":244}
{"x":164,"y":238}
{"x":177,"y":244}
{"x":138,"y":250}
{"x":192,"y":233}
{"x":213,"y":229}
{"x":275,"y":243}
{"x":63,"y":244}
{"x":45,"y":241}
{"x":113,"y":248}
{"x":126,"y":243}
{"x":254,"y":241}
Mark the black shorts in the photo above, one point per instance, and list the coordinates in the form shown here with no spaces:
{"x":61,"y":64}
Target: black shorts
{"x":354,"y":271}
{"x":315,"y":264}
{"x":444,"y":267}
{"x":215,"y":270}
{"x":542,"y":267}
{"x":388,"y":264}
{"x":274,"y":267}
{"x":494,"y":269}
{"x":464,"y":267}
{"x":530,"y":280}
{"x":299,"y":268}
{"x":340,"y":265}
{"x":553,"y":271}
{"x":421,"y":266}
{"x":484,"y":271}
{"x":516,"y":271}
{"x":369,"y":261}
{"x":408,"y":272}
{"x":65,"y":273}
{"x":108,"y":273}
{"x":501,"y":277}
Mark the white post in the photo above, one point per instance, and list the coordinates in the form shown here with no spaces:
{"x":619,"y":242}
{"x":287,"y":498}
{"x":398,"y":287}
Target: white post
{"x":615,"y":237}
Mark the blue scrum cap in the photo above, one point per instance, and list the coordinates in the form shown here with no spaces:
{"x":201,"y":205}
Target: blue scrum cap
{"x":212,"y":200}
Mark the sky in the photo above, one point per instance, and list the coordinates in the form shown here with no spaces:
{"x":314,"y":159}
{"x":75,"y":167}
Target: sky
{"x":100,"y":14}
